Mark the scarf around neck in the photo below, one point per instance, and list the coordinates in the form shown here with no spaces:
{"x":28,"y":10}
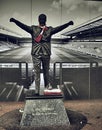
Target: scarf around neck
{"x":39,"y":37}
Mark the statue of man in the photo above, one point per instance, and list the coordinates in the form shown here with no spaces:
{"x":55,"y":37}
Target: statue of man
{"x":41,"y":46}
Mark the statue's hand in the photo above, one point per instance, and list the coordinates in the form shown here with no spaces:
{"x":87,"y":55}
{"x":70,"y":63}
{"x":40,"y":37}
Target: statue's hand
{"x":71,"y":23}
{"x":12,"y":19}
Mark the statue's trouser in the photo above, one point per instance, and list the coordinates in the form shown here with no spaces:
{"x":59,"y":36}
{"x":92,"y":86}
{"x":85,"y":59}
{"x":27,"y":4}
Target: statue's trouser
{"x":37,"y":61}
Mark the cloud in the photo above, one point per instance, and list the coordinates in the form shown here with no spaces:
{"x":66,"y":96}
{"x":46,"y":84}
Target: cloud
{"x":95,"y":7}
{"x":72,"y":8}
{"x":100,"y":9}
{"x":70,"y":3}
{"x":56,"y":4}
{"x":16,"y":14}
{"x":93,"y":3}
{"x":81,"y":6}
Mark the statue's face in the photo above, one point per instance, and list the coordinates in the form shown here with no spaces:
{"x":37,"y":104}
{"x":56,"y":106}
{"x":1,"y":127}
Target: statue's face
{"x":42,"y":19}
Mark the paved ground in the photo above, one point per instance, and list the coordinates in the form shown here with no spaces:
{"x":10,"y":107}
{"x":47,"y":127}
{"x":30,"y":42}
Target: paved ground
{"x":92,"y":109}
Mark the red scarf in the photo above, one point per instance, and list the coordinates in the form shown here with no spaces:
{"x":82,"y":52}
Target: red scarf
{"x":39,"y":37}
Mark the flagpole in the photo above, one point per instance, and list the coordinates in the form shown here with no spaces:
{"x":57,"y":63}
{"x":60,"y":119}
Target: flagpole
{"x":61,"y":10}
{"x":31,"y":11}
{"x":61,"y":14}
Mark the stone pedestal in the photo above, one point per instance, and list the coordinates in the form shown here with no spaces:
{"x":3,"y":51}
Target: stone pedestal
{"x":44,"y":111}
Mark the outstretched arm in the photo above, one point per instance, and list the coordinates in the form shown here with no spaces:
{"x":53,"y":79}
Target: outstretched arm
{"x":60,"y":28}
{"x":21,"y":25}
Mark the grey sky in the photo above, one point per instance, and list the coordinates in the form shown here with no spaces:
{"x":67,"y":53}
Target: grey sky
{"x":57,"y":11}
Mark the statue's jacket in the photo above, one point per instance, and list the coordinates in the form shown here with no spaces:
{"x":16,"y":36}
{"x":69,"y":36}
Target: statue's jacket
{"x":44,"y":46}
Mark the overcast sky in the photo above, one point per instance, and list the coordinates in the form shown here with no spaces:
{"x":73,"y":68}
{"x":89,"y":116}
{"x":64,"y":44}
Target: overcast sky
{"x":57,"y":11}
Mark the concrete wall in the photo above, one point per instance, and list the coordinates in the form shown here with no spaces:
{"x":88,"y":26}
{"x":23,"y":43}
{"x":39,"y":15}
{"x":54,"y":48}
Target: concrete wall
{"x":87,"y":82}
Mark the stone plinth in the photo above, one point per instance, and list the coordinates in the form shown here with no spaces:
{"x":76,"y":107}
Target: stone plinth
{"x":44,"y":111}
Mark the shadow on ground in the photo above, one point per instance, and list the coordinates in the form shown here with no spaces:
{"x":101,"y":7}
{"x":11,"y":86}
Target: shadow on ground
{"x":11,"y":121}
